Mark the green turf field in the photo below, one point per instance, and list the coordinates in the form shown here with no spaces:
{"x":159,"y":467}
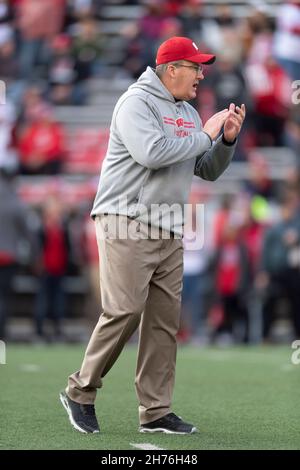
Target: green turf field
{"x":238,"y":399}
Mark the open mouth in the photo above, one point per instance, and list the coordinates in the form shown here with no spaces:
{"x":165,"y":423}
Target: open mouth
{"x":195,"y":86}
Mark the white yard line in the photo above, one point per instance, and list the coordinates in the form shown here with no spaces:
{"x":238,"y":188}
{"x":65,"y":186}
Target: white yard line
{"x":287,"y":367}
{"x":146,"y":446}
{"x":30,"y":367}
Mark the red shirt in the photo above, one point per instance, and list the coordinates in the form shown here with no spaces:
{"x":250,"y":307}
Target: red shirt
{"x":55,"y":250}
{"x":6,"y":259}
{"x":44,"y":141}
{"x":229,"y":273}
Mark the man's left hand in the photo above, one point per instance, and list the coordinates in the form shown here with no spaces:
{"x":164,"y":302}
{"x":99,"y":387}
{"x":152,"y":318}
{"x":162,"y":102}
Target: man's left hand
{"x":233,"y":123}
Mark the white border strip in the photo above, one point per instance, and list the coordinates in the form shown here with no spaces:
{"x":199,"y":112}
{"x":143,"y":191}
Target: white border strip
{"x":146,"y":446}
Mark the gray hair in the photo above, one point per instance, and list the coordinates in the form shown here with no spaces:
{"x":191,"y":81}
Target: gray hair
{"x":162,"y":68}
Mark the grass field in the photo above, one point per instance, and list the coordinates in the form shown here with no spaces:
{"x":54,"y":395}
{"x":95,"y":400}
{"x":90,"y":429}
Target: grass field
{"x":238,"y":399}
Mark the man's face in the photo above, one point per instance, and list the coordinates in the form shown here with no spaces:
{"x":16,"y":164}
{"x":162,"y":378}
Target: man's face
{"x":186,"y":77}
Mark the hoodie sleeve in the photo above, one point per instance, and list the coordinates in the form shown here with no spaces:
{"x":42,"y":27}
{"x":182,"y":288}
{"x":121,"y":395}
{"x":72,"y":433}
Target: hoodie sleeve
{"x":214,"y":162}
{"x":141,"y":133}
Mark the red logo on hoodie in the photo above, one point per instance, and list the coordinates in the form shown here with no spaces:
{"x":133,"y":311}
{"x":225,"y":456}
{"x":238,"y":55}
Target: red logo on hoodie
{"x":179,"y":122}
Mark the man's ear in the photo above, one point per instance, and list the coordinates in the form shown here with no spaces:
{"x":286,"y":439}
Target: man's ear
{"x":172,"y":70}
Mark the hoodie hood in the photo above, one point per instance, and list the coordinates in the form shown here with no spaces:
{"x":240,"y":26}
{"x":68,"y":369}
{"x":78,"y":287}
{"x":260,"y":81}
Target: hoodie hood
{"x":152,"y":84}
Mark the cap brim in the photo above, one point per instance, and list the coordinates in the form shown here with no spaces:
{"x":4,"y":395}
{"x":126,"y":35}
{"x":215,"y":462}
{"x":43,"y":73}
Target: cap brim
{"x":202,"y":58}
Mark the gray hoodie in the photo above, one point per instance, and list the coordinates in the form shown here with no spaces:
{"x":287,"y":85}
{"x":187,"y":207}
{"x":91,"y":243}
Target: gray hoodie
{"x":156,"y":145}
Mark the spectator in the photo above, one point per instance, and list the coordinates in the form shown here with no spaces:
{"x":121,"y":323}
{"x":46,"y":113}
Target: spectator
{"x":280,"y":267}
{"x":53,"y":264}
{"x":287,"y":38}
{"x":232,"y":282}
{"x":261,"y":37}
{"x":221,"y":219}
{"x":259,"y":181}
{"x":9,"y":72}
{"x":270,"y":88}
{"x":173,"y":7}
{"x":41,"y":145}
{"x":6,"y":22}
{"x":229,"y":86}
{"x":191,"y":17}
{"x":152,"y":21}
{"x":144,"y":37}
{"x":8,"y":153}
{"x":220,"y":33}
{"x":87,"y":49}
{"x":197,"y":281}
{"x":61,"y":71}
{"x":31,"y":104}
{"x":78,"y":9}
{"x":38,"y":22}
{"x":15,"y":231}
{"x":292,"y":133}
{"x":252,"y":233}
{"x":171,"y":27}
{"x":228,"y":82}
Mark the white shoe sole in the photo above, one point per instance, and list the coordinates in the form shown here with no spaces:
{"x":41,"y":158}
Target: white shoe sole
{"x":167,"y":431}
{"x":75,"y":425}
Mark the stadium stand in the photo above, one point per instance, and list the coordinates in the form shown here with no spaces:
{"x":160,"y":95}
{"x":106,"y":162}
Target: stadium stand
{"x":82,"y":94}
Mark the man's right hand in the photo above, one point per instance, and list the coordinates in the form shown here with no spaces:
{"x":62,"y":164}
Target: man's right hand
{"x":214,"y":124}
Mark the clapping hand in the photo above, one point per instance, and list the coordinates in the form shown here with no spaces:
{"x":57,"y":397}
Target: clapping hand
{"x":234,"y":122}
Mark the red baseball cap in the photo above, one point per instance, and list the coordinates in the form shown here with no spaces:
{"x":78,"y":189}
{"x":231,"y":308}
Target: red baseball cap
{"x":180,"y":48}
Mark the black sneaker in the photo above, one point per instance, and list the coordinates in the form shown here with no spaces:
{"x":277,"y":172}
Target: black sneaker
{"x":82,"y":417}
{"x":169,"y":424}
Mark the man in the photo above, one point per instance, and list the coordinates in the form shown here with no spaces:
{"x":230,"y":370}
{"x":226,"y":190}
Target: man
{"x":156,"y":145}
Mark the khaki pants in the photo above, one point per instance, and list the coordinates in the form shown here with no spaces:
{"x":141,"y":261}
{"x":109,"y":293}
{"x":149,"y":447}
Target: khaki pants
{"x":141,"y":283}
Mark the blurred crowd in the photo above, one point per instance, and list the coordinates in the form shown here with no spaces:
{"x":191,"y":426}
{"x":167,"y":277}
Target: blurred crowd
{"x":245,"y":277}
{"x":50,"y":50}
{"x":248,"y":272}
